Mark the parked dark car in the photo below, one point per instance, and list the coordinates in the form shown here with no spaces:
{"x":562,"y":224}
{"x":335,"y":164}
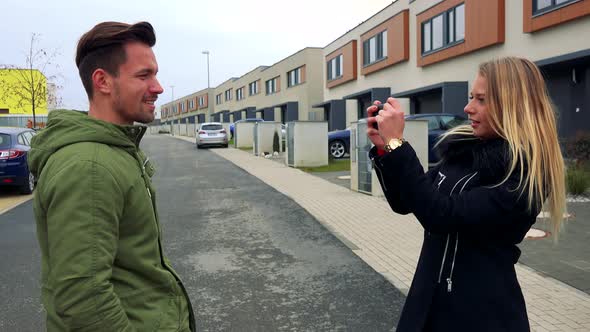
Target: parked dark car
{"x":438,"y":123}
{"x":14,"y":147}
{"x":339,"y":143}
{"x":232,"y":125}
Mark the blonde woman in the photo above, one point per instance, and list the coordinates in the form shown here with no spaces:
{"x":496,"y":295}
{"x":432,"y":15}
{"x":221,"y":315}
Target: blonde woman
{"x":475,"y":206}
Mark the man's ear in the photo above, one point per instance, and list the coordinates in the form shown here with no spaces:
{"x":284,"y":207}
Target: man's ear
{"x":102,"y":81}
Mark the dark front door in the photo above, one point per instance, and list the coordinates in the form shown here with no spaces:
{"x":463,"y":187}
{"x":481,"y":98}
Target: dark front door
{"x":363,"y":104}
{"x":569,"y":89}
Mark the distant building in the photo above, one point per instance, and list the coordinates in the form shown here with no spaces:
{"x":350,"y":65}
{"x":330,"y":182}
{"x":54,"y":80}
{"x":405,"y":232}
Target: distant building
{"x":282,"y":92}
{"x":16,"y":107}
{"x":424,"y":52}
{"x":52,"y":98}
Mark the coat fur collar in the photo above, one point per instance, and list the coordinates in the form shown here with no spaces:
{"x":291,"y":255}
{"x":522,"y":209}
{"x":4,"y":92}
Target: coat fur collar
{"x":491,"y":158}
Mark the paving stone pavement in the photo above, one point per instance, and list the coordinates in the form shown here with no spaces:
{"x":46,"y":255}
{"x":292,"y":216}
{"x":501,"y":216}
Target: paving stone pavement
{"x":569,"y":259}
{"x":390,"y":243}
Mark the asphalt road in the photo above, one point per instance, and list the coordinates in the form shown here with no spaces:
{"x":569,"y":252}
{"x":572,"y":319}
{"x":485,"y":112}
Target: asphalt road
{"x":20,"y":269}
{"x":251,"y":258}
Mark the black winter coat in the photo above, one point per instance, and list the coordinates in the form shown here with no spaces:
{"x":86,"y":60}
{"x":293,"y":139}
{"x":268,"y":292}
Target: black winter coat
{"x":465,"y":278}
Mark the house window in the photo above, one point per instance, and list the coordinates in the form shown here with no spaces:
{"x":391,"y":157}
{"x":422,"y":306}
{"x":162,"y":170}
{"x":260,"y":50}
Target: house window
{"x":240,"y":93}
{"x":272,"y":85}
{"x":228,"y":94}
{"x":543,"y":6}
{"x":375,"y":48}
{"x":253,"y":88}
{"x":182,"y":107}
{"x":201,"y":101}
{"x":191,"y":104}
{"x":444,"y":30}
{"x":335,"y":67}
{"x":218,"y":99}
{"x":294,"y":77}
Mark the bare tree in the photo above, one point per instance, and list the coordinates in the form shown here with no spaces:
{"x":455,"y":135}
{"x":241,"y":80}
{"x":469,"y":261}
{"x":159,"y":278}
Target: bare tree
{"x":27,"y":85}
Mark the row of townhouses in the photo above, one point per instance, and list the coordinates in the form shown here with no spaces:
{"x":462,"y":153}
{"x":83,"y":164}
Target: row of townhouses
{"x":424,"y":52}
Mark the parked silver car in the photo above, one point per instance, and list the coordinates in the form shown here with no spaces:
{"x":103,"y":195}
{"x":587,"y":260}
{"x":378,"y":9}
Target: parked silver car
{"x":211,"y":134}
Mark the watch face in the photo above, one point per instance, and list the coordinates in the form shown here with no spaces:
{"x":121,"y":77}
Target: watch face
{"x":393,"y":144}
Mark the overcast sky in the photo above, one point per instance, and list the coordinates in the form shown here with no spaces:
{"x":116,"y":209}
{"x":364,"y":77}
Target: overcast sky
{"x":240,"y":35}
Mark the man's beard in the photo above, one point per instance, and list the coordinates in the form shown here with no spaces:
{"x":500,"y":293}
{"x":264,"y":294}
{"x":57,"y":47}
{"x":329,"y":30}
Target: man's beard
{"x":138,"y":116}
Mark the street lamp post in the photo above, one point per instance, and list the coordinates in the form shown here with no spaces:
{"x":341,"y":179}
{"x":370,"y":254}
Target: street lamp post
{"x":208,"y":84}
{"x":207,"y":53}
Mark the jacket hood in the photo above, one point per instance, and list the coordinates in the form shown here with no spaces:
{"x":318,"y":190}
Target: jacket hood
{"x":66,"y":127}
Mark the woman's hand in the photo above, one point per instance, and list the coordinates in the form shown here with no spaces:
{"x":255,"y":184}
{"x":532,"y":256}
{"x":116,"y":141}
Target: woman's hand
{"x":373,"y":133}
{"x":390,"y":120}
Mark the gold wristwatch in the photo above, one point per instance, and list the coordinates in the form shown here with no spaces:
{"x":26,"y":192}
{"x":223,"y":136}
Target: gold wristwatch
{"x":393,"y":144}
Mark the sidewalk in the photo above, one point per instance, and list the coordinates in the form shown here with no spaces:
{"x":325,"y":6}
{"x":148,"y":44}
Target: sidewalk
{"x":390,"y":243}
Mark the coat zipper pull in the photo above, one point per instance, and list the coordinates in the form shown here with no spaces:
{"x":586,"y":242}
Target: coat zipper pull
{"x":449,"y":285}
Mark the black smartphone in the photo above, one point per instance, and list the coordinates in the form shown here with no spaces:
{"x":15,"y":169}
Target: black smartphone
{"x":379,"y":107}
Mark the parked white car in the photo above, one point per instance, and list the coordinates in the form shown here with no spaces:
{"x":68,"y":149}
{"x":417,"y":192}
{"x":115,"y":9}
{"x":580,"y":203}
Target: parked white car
{"x":211,"y":134}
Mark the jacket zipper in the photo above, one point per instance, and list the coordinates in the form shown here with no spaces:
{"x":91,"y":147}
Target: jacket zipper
{"x":450,"y":278}
{"x":442,"y":265}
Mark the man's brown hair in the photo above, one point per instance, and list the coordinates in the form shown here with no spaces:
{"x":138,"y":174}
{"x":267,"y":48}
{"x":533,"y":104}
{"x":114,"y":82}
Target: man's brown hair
{"x":102,"y":47}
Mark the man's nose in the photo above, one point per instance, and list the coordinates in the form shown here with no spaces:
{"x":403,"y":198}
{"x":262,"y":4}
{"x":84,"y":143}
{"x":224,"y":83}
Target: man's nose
{"x":157,"y":88}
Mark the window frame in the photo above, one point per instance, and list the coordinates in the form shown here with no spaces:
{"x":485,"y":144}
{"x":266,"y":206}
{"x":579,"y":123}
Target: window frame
{"x":274,"y":83}
{"x":240,"y":93}
{"x":219,"y":98}
{"x":338,"y":63}
{"x":256,"y":90}
{"x":380,"y":48}
{"x":297,"y":77}
{"x":447,"y":40}
{"x":228,"y":94}
{"x":552,"y":7}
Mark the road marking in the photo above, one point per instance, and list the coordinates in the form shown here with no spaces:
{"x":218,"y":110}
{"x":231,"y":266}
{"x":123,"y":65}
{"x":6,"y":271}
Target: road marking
{"x":10,"y":201}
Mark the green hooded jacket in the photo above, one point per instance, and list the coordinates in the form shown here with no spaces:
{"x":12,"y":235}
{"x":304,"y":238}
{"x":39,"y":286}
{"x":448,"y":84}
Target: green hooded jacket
{"x":103,"y":268}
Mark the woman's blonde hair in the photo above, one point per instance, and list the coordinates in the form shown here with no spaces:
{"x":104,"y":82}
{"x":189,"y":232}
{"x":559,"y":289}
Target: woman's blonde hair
{"x":520,"y":111}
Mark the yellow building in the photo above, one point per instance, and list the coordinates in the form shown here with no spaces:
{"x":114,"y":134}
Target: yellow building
{"x":17,"y":89}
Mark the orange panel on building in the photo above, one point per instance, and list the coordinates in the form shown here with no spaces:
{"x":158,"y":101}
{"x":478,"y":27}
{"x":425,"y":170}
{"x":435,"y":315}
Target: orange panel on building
{"x":303,"y":75}
{"x":484,"y":26}
{"x":398,"y":41}
{"x":349,"y":56}
{"x":555,"y":17}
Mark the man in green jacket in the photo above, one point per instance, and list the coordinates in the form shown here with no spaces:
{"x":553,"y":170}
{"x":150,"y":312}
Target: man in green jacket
{"x":103,"y":268}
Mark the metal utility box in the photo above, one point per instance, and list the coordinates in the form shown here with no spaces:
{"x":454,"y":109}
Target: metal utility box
{"x":362,"y":174}
{"x":243,"y":135}
{"x":307,"y":144}
{"x":264,"y":137}
{"x":361,"y":168}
